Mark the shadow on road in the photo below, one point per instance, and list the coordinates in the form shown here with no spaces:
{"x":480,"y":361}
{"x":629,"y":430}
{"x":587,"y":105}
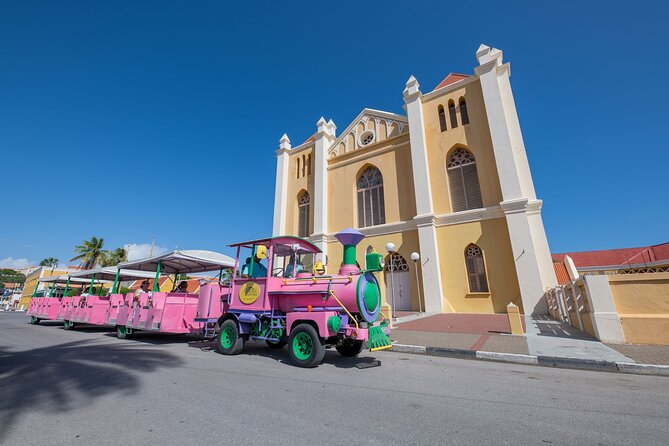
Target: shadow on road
{"x":62,"y":377}
{"x":252,"y":348}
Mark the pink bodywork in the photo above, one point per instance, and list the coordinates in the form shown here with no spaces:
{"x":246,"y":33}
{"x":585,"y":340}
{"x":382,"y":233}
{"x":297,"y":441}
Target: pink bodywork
{"x":174,"y":312}
{"x":303,"y":299}
{"x":44,"y":307}
{"x":160,"y":312}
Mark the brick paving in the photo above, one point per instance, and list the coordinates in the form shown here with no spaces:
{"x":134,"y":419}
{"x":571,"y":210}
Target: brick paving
{"x":467,"y":341}
{"x":459,"y":323}
{"x":644,"y":354}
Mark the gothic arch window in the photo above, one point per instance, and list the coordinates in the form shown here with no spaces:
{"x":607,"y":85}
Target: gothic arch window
{"x":303,"y":206}
{"x":464,"y":115}
{"x":451,"y":113}
{"x":463,"y":181}
{"x":371,"y":207}
{"x":442,"y":119}
{"x":478,"y":282}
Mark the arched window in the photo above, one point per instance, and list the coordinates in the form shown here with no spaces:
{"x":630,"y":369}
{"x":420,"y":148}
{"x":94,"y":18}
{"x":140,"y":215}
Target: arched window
{"x":442,"y":119}
{"x":463,"y":181}
{"x":451,"y":113}
{"x":371,"y":208}
{"x":478,"y":283}
{"x":463,"y":112}
{"x":304,"y":164}
{"x":303,"y":205}
{"x":298,"y":167}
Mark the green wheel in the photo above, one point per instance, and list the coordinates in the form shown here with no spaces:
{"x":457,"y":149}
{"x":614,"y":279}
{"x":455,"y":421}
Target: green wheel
{"x":229,"y":342}
{"x":34,"y":320}
{"x":276,"y":344}
{"x":123,"y":332}
{"x":68,"y":325}
{"x":350,"y":348}
{"x":306,"y":348}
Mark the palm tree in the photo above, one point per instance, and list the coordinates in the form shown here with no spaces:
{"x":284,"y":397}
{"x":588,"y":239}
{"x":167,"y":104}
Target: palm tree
{"x":89,"y":252}
{"x":49,"y":261}
{"x":112,"y":258}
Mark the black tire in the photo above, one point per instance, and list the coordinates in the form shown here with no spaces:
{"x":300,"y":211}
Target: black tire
{"x":305,"y":347}
{"x":276,"y":345}
{"x":67,"y":325}
{"x":350,"y":348}
{"x":34,"y":320}
{"x":228,"y":341}
{"x":123,"y":332}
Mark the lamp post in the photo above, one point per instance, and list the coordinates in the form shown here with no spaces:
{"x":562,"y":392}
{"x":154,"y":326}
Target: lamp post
{"x":390,"y":247}
{"x":415,"y":257}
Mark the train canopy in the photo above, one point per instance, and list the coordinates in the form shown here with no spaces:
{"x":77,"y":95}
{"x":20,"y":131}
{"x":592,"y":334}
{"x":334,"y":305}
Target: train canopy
{"x":182,"y":262}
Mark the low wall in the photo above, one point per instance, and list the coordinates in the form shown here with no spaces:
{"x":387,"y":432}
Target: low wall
{"x":642,"y":303}
{"x":631,"y":308}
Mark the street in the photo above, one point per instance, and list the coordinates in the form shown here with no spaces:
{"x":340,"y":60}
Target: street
{"x":87,"y":387}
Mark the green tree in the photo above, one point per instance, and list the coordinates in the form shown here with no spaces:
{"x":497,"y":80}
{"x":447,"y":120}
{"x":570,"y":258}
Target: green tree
{"x":9,"y":275}
{"x":89,"y":252}
{"x":49,"y":262}
{"x":112,"y":258}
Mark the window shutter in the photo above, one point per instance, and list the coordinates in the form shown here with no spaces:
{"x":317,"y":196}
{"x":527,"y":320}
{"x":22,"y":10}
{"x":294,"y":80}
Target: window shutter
{"x":472,"y":188}
{"x":457,"y":190}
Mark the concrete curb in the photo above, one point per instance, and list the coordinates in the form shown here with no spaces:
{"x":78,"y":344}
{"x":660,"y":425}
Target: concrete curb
{"x":544,"y":361}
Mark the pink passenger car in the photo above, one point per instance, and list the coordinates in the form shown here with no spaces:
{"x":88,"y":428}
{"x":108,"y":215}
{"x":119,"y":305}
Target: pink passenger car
{"x":174,"y":312}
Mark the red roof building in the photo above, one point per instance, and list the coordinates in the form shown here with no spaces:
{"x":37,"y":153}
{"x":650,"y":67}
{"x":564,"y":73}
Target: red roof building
{"x":615,"y":259}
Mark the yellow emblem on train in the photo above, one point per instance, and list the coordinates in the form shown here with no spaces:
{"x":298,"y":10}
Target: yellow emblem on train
{"x":249,"y":293}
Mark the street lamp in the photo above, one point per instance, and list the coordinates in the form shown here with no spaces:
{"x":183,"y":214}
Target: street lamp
{"x":415,"y":257}
{"x":390,"y":247}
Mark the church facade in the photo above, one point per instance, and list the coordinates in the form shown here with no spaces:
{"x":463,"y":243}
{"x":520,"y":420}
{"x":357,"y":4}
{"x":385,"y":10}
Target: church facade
{"x":449,"y":181}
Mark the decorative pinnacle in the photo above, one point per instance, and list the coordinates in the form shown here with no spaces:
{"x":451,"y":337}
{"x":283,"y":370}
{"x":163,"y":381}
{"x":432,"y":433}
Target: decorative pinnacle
{"x":487,"y":54}
{"x":411,"y":89}
{"x":284,"y":142}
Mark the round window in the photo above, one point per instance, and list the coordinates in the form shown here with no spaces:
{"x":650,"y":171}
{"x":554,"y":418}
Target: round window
{"x":366,"y":138}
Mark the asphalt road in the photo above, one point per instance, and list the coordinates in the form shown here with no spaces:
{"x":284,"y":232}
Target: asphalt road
{"x":87,"y":387}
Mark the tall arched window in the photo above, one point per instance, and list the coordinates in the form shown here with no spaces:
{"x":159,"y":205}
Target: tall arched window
{"x":451,"y":113}
{"x":478,"y":283}
{"x":371,"y":208}
{"x":303,"y":206}
{"x":463,"y":181}
{"x":463,"y":112}
{"x":442,"y":118}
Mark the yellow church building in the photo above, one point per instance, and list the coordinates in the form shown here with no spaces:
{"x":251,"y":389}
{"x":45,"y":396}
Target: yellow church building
{"x":449,"y":181}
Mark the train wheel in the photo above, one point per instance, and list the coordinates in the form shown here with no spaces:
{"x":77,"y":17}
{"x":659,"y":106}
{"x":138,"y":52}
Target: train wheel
{"x":305,"y":346}
{"x":276,"y":344}
{"x":67,"y":325}
{"x":350,"y":348}
{"x":123,"y":332}
{"x":229,"y":342}
{"x":34,"y":320}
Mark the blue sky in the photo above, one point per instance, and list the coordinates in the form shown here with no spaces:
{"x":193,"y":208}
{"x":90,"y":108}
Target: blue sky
{"x":128,"y":120}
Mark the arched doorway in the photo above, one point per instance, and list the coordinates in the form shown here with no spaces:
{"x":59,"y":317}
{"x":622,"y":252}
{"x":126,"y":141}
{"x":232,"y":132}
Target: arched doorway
{"x":398,"y":282}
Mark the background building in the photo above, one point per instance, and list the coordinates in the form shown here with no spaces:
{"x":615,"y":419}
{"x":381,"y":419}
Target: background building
{"x":449,"y":180}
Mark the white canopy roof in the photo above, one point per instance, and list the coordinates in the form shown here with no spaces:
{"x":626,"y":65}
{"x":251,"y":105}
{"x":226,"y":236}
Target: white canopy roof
{"x":109,"y":273}
{"x":183,"y":262}
{"x":63,"y":279}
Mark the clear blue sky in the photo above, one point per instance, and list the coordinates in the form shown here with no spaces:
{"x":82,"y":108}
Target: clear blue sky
{"x":129,"y":119}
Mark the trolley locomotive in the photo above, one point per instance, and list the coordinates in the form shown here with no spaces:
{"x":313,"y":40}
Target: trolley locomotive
{"x":281,"y":295}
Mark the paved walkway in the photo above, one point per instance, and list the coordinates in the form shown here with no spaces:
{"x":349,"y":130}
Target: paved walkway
{"x":544,"y":337}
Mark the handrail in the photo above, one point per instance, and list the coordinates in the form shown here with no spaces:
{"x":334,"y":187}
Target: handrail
{"x":345,"y":309}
